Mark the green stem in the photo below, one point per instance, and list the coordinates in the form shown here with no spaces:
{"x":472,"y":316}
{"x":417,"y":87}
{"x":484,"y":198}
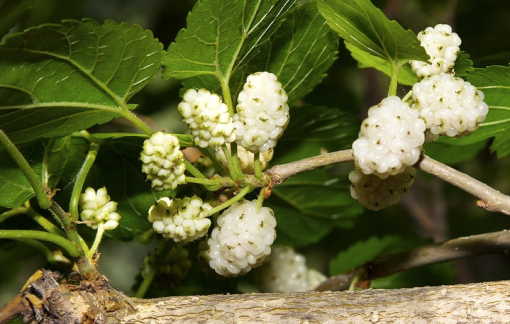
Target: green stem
{"x":395,"y":69}
{"x":42,"y":199}
{"x":407,"y":96}
{"x":126,"y":113}
{"x":260,"y":200}
{"x":230,"y":202}
{"x":158,"y":259}
{"x":48,"y":254}
{"x":97,"y":240}
{"x":84,"y":265}
{"x":256,"y":166}
{"x":42,"y":236}
{"x":80,"y":179}
{"x":233,"y":162}
{"x":13,"y":212}
{"x":227,"y":97}
{"x":194,"y":171}
{"x":221,"y":170}
{"x":44,"y":222}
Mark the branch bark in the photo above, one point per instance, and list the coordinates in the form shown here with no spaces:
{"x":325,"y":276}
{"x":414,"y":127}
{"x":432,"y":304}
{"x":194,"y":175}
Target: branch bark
{"x":489,"y":198}
{"x":93,"y":303}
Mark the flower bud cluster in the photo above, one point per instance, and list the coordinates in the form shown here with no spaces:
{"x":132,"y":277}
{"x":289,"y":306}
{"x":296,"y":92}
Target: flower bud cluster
{"x":163,"y":161}
{"x":180,"y":219}
{"x":97,"y":208}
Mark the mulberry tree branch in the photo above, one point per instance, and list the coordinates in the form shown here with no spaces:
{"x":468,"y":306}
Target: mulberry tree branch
{"x":459,"y":248}
{"x":489,"y":198}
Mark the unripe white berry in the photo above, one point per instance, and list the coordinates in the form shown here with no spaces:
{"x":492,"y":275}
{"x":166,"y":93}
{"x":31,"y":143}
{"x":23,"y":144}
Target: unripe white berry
{"x":286,"y":271}
{"x":390,"y":139}
{"x":180,"y":219}
{"x":262,"y":112}
{"x":442,"y":45}
{"x":242,"y":240}
{"x":246,"y":159}
{"x":449,"y":106}
{"x":207,"y":117}
{"x":163,"y":161}
{"x":375,"y":193}
{"x":98,"y":209}
{"x":173,"y":267}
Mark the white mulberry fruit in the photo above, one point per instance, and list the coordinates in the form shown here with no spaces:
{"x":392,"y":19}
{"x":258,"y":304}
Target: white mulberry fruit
{"x":163,"y":161}
{"x":262,"y":112}
{"x":98,"y":208}
{"x":180,"y":219}
{"x":242,"y":240}
{"x":375,"y":193}
{"x":207,"y":117}
{"x":449,"y":105}
{"x":390,"y":139}
{"x":442,"y":45}
{"x":173,"y":267}
{"x":286,"y":271}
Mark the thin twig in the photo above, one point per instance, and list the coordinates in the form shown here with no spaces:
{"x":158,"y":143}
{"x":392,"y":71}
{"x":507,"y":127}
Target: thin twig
{"x":282,"y":172}
{"x":490,"y":199}
{"x":455,"y":249}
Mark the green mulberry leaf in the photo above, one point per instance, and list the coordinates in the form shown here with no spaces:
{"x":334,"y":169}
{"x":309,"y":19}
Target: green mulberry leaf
{"x":58,"y":79}
{"x":363,"y":25}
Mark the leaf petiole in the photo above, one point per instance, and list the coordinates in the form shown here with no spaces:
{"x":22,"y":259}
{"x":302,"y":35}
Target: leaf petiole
{"x":42,"y":236}
{"x":42,"y":198}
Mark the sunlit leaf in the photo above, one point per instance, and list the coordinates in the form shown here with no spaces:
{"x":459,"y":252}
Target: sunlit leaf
{"x":57,"y":79}
{"x":363,"y":25}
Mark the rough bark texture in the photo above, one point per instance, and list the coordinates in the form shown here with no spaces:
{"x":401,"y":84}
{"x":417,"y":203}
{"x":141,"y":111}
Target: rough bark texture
{"x":96,"y":302}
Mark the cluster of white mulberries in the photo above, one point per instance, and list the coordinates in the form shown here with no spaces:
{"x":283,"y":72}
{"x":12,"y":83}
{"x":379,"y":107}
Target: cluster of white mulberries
{"x":442,"y":45}
{"x":449,"y":106}
{"x":375,"y":193}
{"x":246,"y":159}
{"x":390,"y":139}
{"x":286,"y":271}
{"x":242,"y":240}
{"x":97,"y":208}
{"x":207,"y":117}
{"x":262,"y":112}
{"x":163,"y":161}
{"x":180,"y":219}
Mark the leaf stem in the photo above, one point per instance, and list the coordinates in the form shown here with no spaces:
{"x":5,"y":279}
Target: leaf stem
{"x":22,"y":210}
{"x":50,"y":256}
{"x":42,"y":236}
{"x":229,"y":202}
{"x":42,"y":198}
{"x":395,"y":69}
{"x":126,"y":113}
{"x":44,"y":222}
{"x":80,"y":179}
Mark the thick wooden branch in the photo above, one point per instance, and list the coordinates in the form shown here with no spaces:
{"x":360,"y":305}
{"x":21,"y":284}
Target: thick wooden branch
{"x":97,"y":302}
{"x":473,"y":303}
